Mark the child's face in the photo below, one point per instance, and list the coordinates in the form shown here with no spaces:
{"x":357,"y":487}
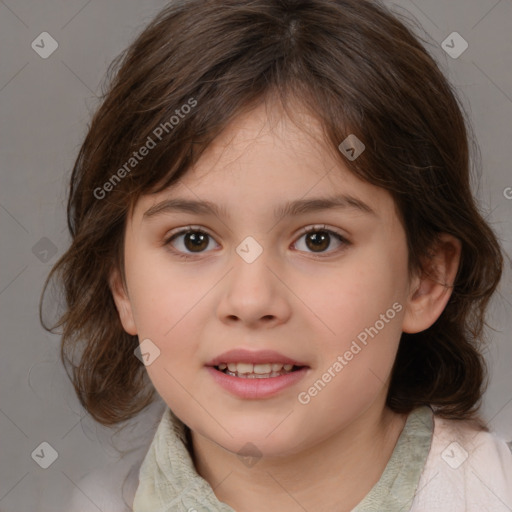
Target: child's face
{"x":306,"y":298}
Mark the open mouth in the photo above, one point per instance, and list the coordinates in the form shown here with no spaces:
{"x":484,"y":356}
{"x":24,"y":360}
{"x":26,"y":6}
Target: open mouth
{"x":257,"y":371}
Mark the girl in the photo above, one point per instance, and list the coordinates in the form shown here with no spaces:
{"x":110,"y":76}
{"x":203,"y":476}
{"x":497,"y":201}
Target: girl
{"x":273,"y":231}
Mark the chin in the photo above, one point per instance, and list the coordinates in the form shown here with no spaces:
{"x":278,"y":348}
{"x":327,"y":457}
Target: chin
{"x":258,"y":443}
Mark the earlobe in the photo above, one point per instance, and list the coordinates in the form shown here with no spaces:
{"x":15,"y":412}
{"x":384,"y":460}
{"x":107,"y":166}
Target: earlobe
{"x":431,"y":291}
{"x":123,"y":303}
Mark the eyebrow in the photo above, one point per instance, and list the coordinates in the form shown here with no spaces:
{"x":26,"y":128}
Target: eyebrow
{"x":291,"y":208}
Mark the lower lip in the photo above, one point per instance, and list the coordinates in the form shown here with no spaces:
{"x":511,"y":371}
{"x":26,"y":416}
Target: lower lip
{"x":256,"y":388}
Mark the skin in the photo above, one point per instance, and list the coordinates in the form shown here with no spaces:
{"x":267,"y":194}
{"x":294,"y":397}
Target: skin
{"x":309,"y":305}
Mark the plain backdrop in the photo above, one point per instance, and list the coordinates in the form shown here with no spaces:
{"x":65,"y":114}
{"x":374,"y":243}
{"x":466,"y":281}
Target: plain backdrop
{"x":45,"y":107}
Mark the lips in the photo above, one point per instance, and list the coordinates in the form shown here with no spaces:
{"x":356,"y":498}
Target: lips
{"x":259,"y":357}
{"x":256,"y":374}
{"x":252,"y":387}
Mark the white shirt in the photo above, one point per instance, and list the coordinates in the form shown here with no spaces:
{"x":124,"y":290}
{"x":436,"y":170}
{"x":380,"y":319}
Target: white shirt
{"x":465,"y":471}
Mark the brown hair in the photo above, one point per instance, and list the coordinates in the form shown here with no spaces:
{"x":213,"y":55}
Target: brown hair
{"x":359,"y":69}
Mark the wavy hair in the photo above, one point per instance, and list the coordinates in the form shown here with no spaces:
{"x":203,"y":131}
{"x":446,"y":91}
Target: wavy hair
{"x":360,"y":70}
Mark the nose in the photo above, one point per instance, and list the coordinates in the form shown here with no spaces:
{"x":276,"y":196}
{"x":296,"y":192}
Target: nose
{"x":254,"y":293}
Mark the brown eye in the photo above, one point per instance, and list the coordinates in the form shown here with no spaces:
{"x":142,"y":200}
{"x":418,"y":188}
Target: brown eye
{"x":189,"y":241}
{"x":318,"y":240}
{"x":196,"y":241}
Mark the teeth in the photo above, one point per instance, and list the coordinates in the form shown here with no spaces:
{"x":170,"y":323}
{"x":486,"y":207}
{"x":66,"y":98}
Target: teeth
{"x":256,"y":370}
{"x":244,"y":368}
{"x":255,"y":375}
{"x":260,"y":369}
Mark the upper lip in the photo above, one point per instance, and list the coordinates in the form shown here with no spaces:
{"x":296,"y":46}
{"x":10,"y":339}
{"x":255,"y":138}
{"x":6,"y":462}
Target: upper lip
{"x":241,"y":355}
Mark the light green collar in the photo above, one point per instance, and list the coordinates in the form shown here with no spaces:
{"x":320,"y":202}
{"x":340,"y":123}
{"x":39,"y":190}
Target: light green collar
{"x":169,"y":482}
{"x":397,"y":485}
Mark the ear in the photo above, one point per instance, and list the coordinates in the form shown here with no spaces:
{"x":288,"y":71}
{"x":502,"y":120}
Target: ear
{"x":431,"y":291}
{"x":123,"y":303}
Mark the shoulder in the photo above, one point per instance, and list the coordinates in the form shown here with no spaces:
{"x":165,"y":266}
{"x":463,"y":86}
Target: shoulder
{"x":466,"y":467}
{"x":469,"y":443}
{"x":109,"y":488}
{"x":112,"y":487}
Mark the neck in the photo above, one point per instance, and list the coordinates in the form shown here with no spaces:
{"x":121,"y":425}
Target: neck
{"x":334,"y":474}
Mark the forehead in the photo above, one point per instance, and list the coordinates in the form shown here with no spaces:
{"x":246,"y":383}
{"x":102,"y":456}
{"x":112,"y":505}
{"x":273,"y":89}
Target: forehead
{"x":266,"y":136}
{"x":264,"y":159}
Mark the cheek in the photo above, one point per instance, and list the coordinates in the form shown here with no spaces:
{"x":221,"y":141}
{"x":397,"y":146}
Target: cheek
{"x":360,"y":306}
{"x":159,"y":292}
{"x":353,"y":296}
{"x":168,"y":314}
{"x":169,"y":309}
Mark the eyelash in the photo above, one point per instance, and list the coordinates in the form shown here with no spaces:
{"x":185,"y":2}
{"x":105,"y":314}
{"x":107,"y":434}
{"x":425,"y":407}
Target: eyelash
{"x":305,"y":231}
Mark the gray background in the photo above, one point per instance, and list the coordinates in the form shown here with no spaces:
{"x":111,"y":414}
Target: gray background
{"x":45,"y":107}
